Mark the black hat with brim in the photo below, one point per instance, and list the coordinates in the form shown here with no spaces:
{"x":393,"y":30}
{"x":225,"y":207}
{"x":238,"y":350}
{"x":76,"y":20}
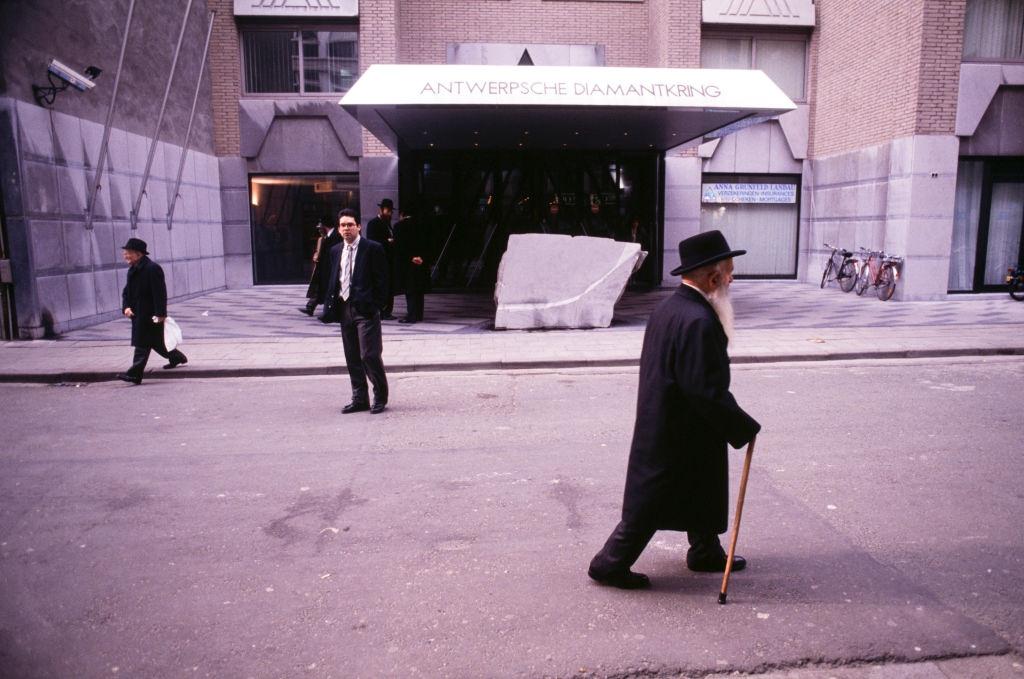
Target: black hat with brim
{"x":136,"y":244}
{"x":386,"y":203}
{"x":703,"y":249}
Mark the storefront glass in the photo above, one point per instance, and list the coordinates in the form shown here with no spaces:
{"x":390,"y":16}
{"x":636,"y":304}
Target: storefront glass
{"x":473,"y":202}
{"x":988,"y":223}
{"x":757,"y":213}
{"x":285,"y":211}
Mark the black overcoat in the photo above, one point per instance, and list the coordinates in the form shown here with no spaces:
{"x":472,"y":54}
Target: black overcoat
{"x":411,"y":240}
{"x":145,"y":294}
{"x":319,"y":279}
{"x":678,"y":477}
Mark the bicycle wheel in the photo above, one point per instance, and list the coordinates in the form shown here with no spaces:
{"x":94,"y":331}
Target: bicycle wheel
{"x":886,"y":284}
{"x":828,"y":270}
{"x":863,"y":279}
{"x":847,"y":275}
{"x":1017,"y":289}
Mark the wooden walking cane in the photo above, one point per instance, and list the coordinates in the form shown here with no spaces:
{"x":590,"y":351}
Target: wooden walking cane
{"x":736,"y":522}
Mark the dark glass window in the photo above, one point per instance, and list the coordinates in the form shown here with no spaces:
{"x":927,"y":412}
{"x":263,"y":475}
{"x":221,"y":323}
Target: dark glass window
{"x":299,"y":62}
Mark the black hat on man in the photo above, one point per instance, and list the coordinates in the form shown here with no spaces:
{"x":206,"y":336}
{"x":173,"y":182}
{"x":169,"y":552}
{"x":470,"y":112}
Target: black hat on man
{"x":136,"y":244}
{"x":703,"y":249}
{"x":386,"y":203}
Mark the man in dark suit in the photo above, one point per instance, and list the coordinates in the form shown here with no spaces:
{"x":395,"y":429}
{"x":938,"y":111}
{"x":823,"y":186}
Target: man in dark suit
{"x":356,"y":293}
{"x":321,"y":265}
{"x":144,"y":300}
{"x":678,"y":477}
{"x":379,"y":229}
{"x":412,"y":243}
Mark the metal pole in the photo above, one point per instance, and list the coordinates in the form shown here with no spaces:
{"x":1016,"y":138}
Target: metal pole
{"x":159,"y":119}
{"x":98,"y":177}
{"x":188,"y":132}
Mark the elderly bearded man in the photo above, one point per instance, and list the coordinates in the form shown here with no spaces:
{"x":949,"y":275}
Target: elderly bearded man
{"x":678,"y":476}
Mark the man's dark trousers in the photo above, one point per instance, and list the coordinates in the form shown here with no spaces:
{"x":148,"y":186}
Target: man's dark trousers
{"x":627,"y":542}
{"x":361,"y":338}
{"x":142,"y":357}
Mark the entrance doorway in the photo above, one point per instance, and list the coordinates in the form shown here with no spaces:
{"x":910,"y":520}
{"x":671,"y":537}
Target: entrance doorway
{"x":988,"y":230}
{"x":285,"y":212}
{"x":471,"y":202}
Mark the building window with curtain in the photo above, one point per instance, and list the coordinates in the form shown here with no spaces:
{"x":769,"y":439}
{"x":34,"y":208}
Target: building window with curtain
{"x":299,"y":61}
{"x":994,"y":30}
{"x":757,"y":213}
{"x":783,"y":57}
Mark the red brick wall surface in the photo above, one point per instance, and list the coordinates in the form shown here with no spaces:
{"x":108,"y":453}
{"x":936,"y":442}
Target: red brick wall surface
{"x":883,"y":70}
{"x":225,"y":75}
{"x":942,"y":48}
{"x":426,"y":28}
{"x":378,"y":44}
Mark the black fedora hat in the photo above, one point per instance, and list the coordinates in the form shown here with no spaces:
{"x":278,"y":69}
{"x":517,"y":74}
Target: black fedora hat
{"x":386,"y":203}
{"x":703,"y":249}
{"x":136,"y":244}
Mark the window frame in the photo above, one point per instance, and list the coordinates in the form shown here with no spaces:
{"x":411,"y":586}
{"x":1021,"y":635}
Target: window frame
{"x":293,"y":27}
{"x":982,"y":60}
{"x":764,"y":34}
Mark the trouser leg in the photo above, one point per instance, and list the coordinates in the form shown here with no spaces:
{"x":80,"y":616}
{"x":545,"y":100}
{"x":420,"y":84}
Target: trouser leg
{"x":622,"y":549}
{"x":414,"y":305}
{"x":139,"y":361}
{"x":371,"y":346}
{"x":704,"y":547}
{"x":174,"y":356}
{"x":350,"y":342}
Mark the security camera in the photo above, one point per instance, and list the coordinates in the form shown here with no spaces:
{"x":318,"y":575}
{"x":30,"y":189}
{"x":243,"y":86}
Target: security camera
{"x":82,"y":83}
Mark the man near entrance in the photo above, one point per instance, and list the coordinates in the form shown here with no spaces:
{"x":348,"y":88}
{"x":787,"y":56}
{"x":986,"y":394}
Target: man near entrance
{"x":379,"y":229}
{"x":678,"y":477}
{"x":144,"y":301}
{"x":329,"y":237}
{"x":356,"y":293}
{"x":412,"y":243}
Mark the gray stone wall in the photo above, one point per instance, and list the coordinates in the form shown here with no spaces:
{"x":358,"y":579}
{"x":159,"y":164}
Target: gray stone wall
{"x":81,"y":33}
{"x":69,"y":276}
{"x":897,"y":197}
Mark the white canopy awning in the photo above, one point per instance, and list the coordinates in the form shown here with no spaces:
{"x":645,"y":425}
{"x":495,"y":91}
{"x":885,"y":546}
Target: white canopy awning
{"x":428,"y":106}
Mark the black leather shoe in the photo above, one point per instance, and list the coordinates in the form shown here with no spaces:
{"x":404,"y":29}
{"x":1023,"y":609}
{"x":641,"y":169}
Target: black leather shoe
{"x":125,"y":377}
{"x":355,"y":408}
{"x":716,"y":565}
{"x":406,"y":320}
{"x":175,"y":364}
{"x":387,"y":317}
{"x":622,"y":580}
{"x":306,"y":310}
{"x":378,"y":408}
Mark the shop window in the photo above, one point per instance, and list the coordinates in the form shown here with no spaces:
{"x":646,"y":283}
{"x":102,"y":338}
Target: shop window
{"x":756,"y":213}
{"x":286,"y":61}
{"x":994,"y":30}
{"x":782,"y":58}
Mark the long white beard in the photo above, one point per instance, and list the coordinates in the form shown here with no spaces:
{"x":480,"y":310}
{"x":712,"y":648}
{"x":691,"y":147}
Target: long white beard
{"x":722,"y":304}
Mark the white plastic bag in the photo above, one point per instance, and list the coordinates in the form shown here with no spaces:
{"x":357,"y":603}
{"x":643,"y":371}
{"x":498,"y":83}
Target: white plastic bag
{"x":172,"y":334}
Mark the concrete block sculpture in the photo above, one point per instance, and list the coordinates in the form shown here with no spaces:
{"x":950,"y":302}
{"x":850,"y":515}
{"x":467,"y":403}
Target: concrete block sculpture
{"x":556,"y":281}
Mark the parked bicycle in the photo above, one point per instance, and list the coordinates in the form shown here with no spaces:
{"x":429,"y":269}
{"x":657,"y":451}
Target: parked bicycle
{"x":1015,"y":282}
{"x":879,"y":270}
{"x":841,"y":266}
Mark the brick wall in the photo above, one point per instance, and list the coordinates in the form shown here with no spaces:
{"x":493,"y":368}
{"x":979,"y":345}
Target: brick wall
{"x":942,"y":48}
{"x":426,"y":28}
{"x":868,"y":59}
{"x":884,"y":70}
{"x":225,"y":71}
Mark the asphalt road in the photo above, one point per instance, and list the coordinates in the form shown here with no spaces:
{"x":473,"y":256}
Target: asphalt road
{"x":242,"y":527}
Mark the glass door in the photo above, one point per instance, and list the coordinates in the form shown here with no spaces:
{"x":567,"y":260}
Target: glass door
{"x":1003,"y":236}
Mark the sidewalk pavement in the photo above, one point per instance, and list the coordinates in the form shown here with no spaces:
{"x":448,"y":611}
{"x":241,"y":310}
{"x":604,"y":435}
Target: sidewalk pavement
{"x":260,"y":332}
